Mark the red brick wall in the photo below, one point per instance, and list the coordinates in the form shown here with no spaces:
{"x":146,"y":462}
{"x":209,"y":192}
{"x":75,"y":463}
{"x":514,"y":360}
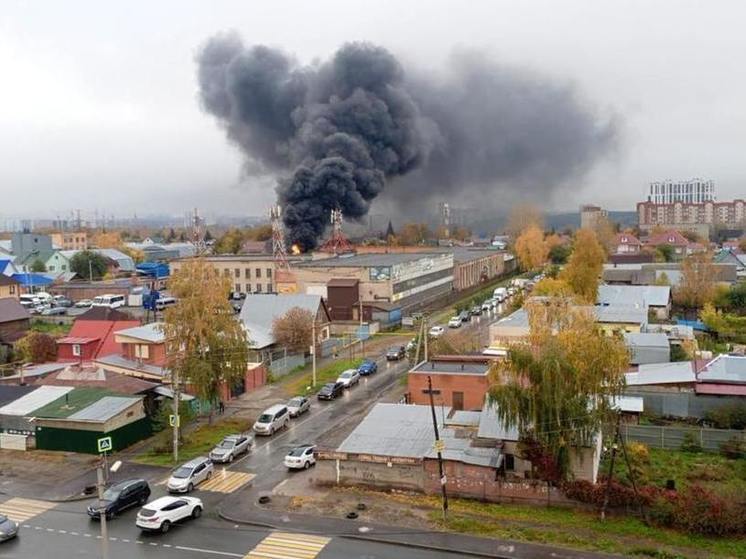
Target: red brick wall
{"x":474,"y":388}
{"x":156,"y":353}
{"x":87,"y":352}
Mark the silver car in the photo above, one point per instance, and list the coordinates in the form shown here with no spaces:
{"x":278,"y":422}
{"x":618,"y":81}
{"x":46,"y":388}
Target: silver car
{"x":230,"y":447}
{"x":298,"y":405}
{"x":186,"y":477}
{"x":8,"y":528}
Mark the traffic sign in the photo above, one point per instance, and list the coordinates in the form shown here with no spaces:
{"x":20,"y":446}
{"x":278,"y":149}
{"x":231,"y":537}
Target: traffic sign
{"x":174,"y":420}
{"x":105,"y":444}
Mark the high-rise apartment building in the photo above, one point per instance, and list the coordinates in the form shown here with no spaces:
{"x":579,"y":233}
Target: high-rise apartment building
{"x":694,"y":191}
{"x":591,"y":216}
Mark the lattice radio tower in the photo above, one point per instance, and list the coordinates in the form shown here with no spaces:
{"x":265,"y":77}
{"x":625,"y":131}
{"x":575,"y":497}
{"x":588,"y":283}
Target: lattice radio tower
{"x":198,"y":233}
{"x":337,"y":243}
{"x":279,"y":252}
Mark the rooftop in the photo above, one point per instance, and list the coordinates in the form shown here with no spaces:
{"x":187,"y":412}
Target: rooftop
{"x":10,"y":392}
{"x":620,"y":314}
{"x":11,"y":310}
{"x":466,"y":254}
{"x":725,"y":369}
{"x":29,"y":403}
{"x":517,"y":319}
{"x":646,"y":339}
{"x":679,"y":372}
{"x":152,"y":332}
{"x":451,"y":367}
{"x":115,"y":360}
{"x":71,"y":402}
{"x":634,"y":295}
{"x":260,"y":310}
{"x":104,"y":409}
{"x":372,"y":259}
{"x":97,"y":377}
{"x":490,"y":426}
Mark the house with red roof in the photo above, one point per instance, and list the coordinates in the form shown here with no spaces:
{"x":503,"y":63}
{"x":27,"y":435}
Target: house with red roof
{"x":92,"y":334}
{"x":682,"y":247}
{"x":627,"y":243}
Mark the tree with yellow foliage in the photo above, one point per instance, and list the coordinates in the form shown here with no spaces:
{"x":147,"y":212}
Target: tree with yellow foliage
{"x":531,"y":249}
{"x":584,"y":267}
{"x":523,"y":216}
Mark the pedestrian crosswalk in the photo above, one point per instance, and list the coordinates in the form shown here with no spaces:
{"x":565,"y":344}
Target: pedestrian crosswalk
{"x":224,"y":481}
{"x":22,"y":510}
{"x":286,"y":545}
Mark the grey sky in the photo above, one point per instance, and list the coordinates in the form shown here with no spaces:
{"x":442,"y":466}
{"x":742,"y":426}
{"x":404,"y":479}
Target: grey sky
{"x":98,"y":104}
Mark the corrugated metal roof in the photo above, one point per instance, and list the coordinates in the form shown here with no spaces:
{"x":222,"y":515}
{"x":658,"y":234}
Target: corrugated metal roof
{"x":11,"y":310}
{"x":621,"y":314}
{"x":725,"y":368}
{"x":463,"y":418}
{"x":394,"y":430}
{"x":28,"y":404}
{"x":629,"y":404}
{"x":646,"y":339}
{"x":152,"y":332}
{"x":79,"y":398}
{"x":662,"y":373}
{"x":260,"y":310}
{"x":104,"y":409}
{"x":116,"y":360}
{"x":517,"y":319}
{"x":10,"y":392}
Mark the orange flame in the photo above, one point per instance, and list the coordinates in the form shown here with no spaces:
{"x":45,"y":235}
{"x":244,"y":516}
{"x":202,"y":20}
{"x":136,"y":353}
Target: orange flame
{"x":295,"y":249}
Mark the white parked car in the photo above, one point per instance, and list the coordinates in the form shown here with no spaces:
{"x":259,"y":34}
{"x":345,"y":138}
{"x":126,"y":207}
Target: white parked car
{"x":159,"y":515}
{"x":300,"y":457}
{"x":188,"y":476}
{"x":298,"y":405}
{"x":487,"y":305}
{"x":436,"y":331}
{"x":455,"y":322}
{"x":349,"y":378}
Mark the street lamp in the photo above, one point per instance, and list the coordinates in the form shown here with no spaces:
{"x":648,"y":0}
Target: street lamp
{"x":101,"y":507}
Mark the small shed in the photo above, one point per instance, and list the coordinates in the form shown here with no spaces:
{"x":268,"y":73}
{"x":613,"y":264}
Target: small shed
{"x":645,"y":348}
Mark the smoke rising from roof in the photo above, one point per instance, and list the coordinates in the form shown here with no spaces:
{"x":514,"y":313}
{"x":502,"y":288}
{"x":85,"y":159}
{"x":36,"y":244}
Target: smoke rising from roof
{"x":336,"y":133}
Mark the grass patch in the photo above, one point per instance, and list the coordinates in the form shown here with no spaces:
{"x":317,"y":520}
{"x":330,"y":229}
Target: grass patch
{"x":51,"y":328}
{"x":300,"y":384}
{"x":196,"y":443}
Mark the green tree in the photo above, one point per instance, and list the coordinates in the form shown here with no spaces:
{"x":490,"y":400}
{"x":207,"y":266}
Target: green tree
{"x":206,"y":347}
{"x":230,"y":242}
{"x":38,"y":266}
{"x":664,"y":253}
{"x":584,"y":267}
{"x":555,"y":389}
{"x":559,"y":254}
{"x":89,"y":265}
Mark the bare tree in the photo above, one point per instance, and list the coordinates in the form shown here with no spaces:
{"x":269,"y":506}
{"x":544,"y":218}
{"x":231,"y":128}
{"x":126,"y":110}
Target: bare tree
{"x":293,"y":329}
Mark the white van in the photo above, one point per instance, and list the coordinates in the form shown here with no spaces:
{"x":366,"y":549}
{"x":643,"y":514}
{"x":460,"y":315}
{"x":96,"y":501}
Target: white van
{"x":29,"y":298}
{"x":500,"y":293}
{"x":273,"y":419}
{"x":164,"y":302}
{"x":111,"y":301}
{"x":44,"y":297}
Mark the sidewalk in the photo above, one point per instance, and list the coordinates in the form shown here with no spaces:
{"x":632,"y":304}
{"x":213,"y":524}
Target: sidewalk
{"x":243,"y":508}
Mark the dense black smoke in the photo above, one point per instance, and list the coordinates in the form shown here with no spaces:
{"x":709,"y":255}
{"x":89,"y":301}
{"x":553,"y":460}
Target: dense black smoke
{"x":338,"y":131}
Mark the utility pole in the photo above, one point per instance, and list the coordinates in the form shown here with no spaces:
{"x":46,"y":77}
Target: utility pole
{"x":175,"y":389}
{"x":313,"y":351}
{"x":438,"y":447}
{"x":611,"y":467}
{"x":102,"y":511}
{"x":425,"y":333}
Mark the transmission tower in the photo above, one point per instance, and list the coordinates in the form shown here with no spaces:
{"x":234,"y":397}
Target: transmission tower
{"x":198,"y":234}
{"x":279,"y":252}
{"x":445,"y":218}
{"x":337,"y":242}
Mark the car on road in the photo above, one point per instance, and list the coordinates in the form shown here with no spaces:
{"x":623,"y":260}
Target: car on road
{"x":273,"y":419}
{"x":83,"y":304}
{"x":230,"y":447}
{"x":395,"y":352}
{"x":454,"y":322}
{"x":162,"y":513}
{"x":476,"y":310}
{"x":330,"y":391}
{"x":370,"y":367}
{"x":119,"y":497}
{"x":512,"y":291}
{"x":298,"y":405}
{"x":349,"y":378}
{"x":53,"y":311}
{"x":8,"y":528}
{"x":187,"y":476}
{"x":487,"y":305}
{"x":300,"y":458}
{"x":436,"y":331}
{"x":464,"y":316}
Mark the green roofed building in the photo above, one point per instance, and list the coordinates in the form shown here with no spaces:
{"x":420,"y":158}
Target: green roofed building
{"x":74,"y":422}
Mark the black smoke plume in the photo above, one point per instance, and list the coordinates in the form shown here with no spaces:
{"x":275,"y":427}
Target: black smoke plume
{"x":337,"y":132}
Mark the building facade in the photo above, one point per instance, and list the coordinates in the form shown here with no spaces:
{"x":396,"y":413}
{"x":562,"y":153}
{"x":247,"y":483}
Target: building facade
{"x":70,"y":240}
{"x":590,"y":216}
{"x":694,"y":191}
{"x":693,"y":216}
{"x":249,"y":273}
{"x":9,"y":287}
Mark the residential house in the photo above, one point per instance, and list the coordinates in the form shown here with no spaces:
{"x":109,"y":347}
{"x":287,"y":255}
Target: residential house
{"x":14,"y":321}
{"x":16,"y":416}
{"x":459,"y":382}
{"x":647,"y":348}
{"x":9,"y":287}
{"x":70,"y":240}
{"x":627,"y":243}
{"x":657,"y":298}
{"x":613,"y":319}
{"x":727,"y":256}
{"x":507,"y":331}
{"x":92,"y":334}
{"x":681,"y":246}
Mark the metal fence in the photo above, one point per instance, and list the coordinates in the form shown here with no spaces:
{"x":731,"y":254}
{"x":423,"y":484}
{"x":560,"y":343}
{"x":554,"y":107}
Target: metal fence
{"x":680,"y":404}
{"x":671,"y":438}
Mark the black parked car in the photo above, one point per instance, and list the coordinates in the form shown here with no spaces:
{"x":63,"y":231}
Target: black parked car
{"x":120,"y":497}
{"x":476,"y":310}
{"x":394,"y":353}
{"x":330,"y":391}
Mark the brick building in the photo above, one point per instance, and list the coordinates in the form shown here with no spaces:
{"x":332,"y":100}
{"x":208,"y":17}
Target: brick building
{"x":698,"y":217}
{"x":458,"y":382}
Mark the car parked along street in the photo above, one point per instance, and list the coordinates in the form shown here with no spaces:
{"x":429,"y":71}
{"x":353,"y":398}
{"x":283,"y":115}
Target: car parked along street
{"x":300,"y":458}
{"x":298,"y":405}
{"x":349,"y":378}
{"x":330,"y":391}
{"x":230,"y":447}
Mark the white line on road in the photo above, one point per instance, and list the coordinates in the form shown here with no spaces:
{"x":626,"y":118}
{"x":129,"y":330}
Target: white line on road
{"x":213,"y":551}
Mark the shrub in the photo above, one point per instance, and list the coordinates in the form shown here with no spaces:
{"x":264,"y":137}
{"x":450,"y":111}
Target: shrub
{"x":728,"y":416}
{"x":734,"y":448}
{"x":690,"y":443}
{"x":587,"y":492}
{"x":702,"y":512}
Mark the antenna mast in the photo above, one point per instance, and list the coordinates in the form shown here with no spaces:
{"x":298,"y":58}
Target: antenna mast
{"x":337,"y":243}
{"x":279,"y":252}
{"x":198,"y":234}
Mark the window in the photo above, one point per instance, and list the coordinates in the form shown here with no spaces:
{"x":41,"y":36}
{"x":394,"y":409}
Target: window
{"x":237,"y":272}
{"x":64,"y":267}
{"x":258,"y":273}
{"x":237,"y":288}
{"x":509,"y":462}
{"x":226,"y":272}
{"x":50,"y":268}
{"x":269,"y":273}
{"x":247,"y":273}
{"x":142,"y":351}
{"x":76,"y":350}
{"x":12,"y":289}
{"x":269,"y":288}
{"x":248,"y":288}
{"x":258,"y":287}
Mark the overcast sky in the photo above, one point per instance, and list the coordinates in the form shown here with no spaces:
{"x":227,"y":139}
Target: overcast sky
{"x":98,"y":100}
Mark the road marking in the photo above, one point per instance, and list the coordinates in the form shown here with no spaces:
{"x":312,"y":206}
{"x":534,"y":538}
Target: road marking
{"x":225,"y":481}
{"x":22,"y":510}
{"x":212,"y":551}
{"x":287,"y":545}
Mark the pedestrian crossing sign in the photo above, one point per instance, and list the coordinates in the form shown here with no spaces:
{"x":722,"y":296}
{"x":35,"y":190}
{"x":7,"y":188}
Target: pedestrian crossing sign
{"x":173,"y":420}
{"x":104,"y":444}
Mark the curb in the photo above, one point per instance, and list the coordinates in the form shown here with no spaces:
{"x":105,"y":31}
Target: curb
{"x":372,"y":538}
